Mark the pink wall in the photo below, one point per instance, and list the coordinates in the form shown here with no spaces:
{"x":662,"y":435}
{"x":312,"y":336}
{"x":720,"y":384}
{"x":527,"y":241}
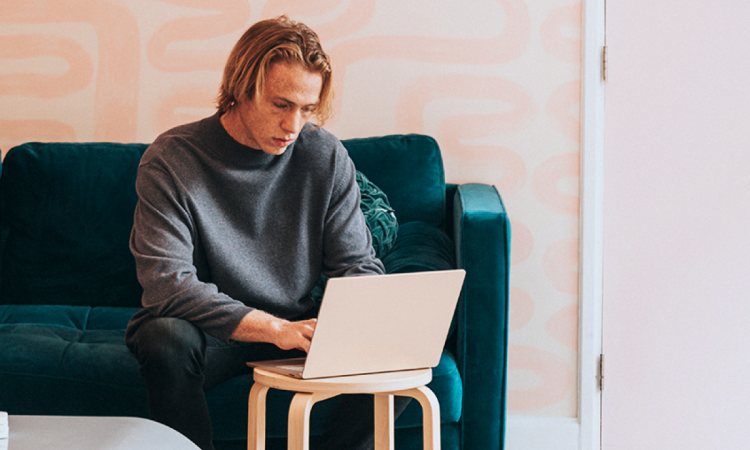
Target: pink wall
{"x":496,"y":82}
{"x":677,"y":226}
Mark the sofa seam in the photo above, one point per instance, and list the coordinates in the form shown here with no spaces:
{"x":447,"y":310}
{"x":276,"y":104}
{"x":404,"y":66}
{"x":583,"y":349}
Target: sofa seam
{"x":48,"y":377}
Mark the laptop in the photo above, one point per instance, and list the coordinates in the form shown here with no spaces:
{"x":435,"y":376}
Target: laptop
{"x":378,"y":323}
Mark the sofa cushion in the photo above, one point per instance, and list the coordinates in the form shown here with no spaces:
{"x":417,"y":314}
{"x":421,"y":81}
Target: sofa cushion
{"x":409,"y":169}
{"x":60,"y":370}
{"x":379,"y":216}
{"x":78,"y":317}
{"x":74,"y":363}
{"x":67,"y":210}
{"x":420,"y":247}
{"x":62,"y":316}
{"x":71,"y":359}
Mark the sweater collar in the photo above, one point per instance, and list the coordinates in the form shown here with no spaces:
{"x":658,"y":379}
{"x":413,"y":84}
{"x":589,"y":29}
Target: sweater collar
{"x":225,"y":147}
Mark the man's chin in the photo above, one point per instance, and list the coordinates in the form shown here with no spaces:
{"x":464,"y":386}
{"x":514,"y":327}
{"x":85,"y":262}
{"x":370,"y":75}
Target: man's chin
{"x":276,"y":151}
{"x":277,"y":147}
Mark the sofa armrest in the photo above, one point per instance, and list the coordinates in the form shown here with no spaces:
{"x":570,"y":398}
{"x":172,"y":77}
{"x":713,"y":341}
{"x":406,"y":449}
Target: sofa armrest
{"x":481,"y":232}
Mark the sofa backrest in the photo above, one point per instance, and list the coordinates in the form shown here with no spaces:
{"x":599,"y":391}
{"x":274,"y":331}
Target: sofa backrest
{"x":409,"y":169}
{"x":66,"y":211}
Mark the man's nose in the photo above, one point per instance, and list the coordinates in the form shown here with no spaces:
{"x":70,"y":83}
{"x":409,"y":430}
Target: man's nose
{"x":293,"y":122}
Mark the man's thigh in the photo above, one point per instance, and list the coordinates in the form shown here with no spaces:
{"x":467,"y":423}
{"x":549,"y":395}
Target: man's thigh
{"x":225,"y":360}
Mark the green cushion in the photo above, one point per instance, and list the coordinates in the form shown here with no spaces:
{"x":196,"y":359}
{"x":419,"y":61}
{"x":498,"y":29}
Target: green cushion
{"x":53,"y":370}
{"x":61,"y":316}
{"x":420,"y":247}
{"x":69,"y":360}
{"x":77,"y":317}
{"x":67,"y":210}
{"x":380,"y":217}
{"x":409,"y":169}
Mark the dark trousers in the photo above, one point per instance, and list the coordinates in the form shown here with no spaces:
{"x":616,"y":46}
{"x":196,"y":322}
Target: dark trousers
{"x":179,"y":362}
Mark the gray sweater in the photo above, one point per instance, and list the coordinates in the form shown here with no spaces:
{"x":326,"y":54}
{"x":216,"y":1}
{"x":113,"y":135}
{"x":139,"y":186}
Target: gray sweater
{"x":221,"y":229}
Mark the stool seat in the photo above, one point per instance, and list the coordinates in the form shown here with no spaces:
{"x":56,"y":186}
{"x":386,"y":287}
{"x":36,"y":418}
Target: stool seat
{"x":384,"y":386}
{"x":354,"y":384}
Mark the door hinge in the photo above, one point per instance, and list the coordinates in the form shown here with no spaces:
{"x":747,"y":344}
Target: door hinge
{"x":601,"y":372}
{"x":604,"y":63}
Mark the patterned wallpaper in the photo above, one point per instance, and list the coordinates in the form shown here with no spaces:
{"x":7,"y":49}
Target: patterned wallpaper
{"x":496,"y":82}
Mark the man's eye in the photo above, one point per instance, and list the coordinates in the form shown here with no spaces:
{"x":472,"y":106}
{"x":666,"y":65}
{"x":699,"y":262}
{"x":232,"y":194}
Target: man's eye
{"x":280,"y":105}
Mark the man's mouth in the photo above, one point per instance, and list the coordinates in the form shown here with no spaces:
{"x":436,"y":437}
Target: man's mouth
{"x":283,"y":142}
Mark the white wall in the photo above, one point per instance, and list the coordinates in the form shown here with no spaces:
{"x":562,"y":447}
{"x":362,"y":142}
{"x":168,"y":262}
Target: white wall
{"x":677,"y":226}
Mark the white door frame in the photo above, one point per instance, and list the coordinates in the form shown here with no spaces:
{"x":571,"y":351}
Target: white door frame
{"x":584,"y":431}
{"x":593,"y":77}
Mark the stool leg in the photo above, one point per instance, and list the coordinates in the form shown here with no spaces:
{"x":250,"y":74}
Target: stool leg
{"x":384,"y":439}
{"x":430,"y":415}
{"x":298,"y":435}
{"x":256,"y":418}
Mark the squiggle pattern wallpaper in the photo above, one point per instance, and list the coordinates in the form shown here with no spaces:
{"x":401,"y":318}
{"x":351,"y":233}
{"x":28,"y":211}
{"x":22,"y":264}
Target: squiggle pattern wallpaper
{"x":496,"y":82}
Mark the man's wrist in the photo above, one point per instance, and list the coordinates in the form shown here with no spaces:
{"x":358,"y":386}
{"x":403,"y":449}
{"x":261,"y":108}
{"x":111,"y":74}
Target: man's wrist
{"x":259,"y":326}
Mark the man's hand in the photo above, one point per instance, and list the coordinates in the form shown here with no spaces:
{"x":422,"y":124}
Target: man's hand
{"x":297,"y":335}
{"x":259,"y":326}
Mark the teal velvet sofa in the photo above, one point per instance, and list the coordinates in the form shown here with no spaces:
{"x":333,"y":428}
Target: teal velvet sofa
{"x":68,"y":287}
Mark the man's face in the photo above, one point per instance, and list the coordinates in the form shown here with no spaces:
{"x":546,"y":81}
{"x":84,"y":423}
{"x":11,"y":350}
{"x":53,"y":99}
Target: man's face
{"x":274,"y":119}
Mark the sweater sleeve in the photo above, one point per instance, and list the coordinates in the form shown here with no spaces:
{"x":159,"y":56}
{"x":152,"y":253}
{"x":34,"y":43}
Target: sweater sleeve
{"x":347,"y":241}
{"x":162,"y":242}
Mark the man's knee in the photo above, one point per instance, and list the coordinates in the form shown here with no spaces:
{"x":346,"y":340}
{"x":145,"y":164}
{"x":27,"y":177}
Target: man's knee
{"x":170,"y":342}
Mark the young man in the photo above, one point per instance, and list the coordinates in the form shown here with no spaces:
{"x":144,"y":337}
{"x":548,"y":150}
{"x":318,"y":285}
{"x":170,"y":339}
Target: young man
{"x":238,"y":215}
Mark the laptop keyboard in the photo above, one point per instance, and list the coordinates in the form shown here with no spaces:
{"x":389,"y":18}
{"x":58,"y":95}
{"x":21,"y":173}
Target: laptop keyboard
{"x":291,"y":367}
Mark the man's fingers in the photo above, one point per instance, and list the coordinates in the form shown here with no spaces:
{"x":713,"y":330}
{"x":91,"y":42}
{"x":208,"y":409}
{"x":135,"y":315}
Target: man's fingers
{"x":309,"y":327}
{"x":300,"y":334}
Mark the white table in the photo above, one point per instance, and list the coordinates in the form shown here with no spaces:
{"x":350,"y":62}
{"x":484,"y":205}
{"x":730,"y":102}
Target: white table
{"x":92,"y":433}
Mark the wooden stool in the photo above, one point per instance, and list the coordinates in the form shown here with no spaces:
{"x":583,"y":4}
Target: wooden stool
{"x":383,"y":386}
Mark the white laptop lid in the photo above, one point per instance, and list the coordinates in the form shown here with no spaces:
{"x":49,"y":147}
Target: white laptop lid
{"x":383,"y":323}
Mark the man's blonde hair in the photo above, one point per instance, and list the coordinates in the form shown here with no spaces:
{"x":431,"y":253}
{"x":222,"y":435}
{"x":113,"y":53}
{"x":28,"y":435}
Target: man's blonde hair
{"x":267,"y":42}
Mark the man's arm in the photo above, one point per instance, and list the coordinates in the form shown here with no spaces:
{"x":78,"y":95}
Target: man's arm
{"x":162,"y":244}
{"x":162,"y":247}
{"x":259,"y":326}
{"x":347,"y":240}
